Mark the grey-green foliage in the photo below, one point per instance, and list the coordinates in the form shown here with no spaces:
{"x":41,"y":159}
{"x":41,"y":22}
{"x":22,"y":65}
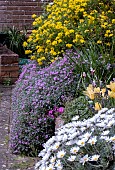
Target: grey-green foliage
{"x":79,"y":106}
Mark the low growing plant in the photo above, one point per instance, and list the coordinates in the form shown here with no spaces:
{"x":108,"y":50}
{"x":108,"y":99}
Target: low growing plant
{"x":37,"y":92}
{"x":82,"y":145}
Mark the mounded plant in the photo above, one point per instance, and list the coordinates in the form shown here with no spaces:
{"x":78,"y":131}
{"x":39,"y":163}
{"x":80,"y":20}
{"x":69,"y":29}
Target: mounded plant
{"x":82,"y":145}
{"x":38,"y":91}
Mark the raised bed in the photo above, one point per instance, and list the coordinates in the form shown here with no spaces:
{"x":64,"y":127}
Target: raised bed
{"x":9,"y":69}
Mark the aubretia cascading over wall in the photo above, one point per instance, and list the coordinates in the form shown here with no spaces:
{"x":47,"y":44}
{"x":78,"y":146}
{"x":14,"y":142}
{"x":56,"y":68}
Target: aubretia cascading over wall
{"x":37,"y":91}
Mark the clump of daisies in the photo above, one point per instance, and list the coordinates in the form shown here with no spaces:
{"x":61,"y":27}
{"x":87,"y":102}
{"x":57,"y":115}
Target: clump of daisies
{"x":82,"y":145}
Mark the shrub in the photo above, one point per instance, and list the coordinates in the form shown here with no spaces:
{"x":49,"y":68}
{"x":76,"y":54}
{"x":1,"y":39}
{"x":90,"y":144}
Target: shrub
{"x":82,"y":145}
{"x":70,"y":23}
{"x":38,"y":91}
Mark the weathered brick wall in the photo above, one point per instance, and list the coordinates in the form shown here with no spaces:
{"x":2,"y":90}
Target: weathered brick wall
{"x":18,"y":13}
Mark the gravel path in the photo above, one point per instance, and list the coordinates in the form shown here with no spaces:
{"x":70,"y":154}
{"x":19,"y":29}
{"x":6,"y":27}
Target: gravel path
{"x":9,"y":161}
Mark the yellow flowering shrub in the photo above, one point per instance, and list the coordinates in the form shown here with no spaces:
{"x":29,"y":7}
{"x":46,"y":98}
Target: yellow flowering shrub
{"x":69,"y":23}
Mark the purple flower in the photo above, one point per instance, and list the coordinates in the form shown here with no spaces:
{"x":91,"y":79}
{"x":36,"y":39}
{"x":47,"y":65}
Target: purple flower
{"x":61,"y":110}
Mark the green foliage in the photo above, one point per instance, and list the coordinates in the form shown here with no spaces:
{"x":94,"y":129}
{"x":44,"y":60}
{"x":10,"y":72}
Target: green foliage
{"x":14,"y":41}
{"x":79,"y":106}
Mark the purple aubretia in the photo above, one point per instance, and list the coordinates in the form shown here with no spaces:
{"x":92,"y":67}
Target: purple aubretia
{"x":37,"y":91}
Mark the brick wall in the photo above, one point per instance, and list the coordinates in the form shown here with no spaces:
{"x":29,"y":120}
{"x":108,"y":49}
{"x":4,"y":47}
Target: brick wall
{"x":18,"y":13}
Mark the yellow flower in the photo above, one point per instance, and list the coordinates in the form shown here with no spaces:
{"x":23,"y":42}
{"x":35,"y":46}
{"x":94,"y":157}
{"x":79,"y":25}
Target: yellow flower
{"x":52,"y":60}
{"x":108,"y":31}
{"x":96,"y":90}
{"x":82,"y":41}
{"x":106,"y":35}
{"x":89,"y":92}
{"x":48,"y":41}
{"x":25,"y":44}
{"x":99,"y":42}
{"x":103,"y":92}
{"x":108,"y":44}
{"x":86,"y":31}
{"x":33,"y":57}
{"x":69,"y":45}
{"x":39,"y":60}
{"x":113,"y":21}
{"x":111,"y":94}
{"x":28,"y":51}
{"x":59,"y":41}
{"x":111,"y":86}
{"x":98,"y":106}
{"x":34,"y":16}
{"x":34,"y":23}
{"x":54,"y":42}
{"x":43,"y":58}
{"x":40,"y":63}
{"x":110,"y":35}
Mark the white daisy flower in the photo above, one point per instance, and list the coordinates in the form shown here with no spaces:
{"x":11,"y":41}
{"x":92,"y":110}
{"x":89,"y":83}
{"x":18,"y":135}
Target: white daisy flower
{"x":58,"y":164}
{"x":61,"y":154}
{"x":53,"y":159}
{"x":93,"y":140}
{"x":71,"y":158}
{"x":94,"y":157}
{"x":110,"y":123}
{"x":56,"y":146}
{"x":59,"y":138}
{"x":84,"y":159}
{"x":106,"y":138}
{"x":50,"y":167}
{"x":65,"y":137}
{"x":112,"y":139}
{"x":105,"y":132}
{"x":75,"y":118}
{"x":74,"y":150}
{"x":81,"y":142}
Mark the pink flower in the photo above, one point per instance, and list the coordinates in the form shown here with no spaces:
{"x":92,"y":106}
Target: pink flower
{"x":60,"y":109}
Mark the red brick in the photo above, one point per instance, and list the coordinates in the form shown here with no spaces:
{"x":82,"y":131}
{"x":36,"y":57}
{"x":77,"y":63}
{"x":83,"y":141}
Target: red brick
{"x":9,"y":68}
{"x":14,"y":74}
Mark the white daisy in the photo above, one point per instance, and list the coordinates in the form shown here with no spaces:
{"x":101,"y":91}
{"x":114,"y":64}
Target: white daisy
{"x":56,"y":146}
{"x":71,"y":158}
{"x":93,"y":140}
{"x":94,"y":157}
{"x":84,"y":159}
{"x":61,"y":154}
{"x":112,"y":139}
{"x":81,"y":142}
{"x":74,"y":150}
